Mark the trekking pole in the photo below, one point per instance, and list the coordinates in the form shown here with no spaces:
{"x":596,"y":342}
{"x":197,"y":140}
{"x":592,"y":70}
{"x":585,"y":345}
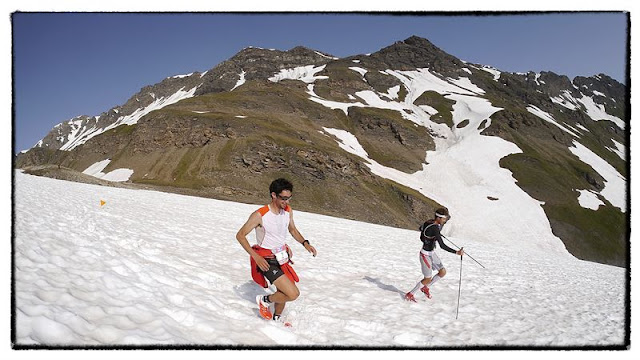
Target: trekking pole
{"x":459,"y":287}
{"x":464,"y":252}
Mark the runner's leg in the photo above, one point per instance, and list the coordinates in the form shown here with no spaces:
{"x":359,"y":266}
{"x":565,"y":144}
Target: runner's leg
{"x":439,"y":267}
{"x":426,"y":265}
{"x":287,"y":291}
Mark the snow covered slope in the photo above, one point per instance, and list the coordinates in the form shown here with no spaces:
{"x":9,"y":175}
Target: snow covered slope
{"x":463,"y":173}
{"x":159,"y":268}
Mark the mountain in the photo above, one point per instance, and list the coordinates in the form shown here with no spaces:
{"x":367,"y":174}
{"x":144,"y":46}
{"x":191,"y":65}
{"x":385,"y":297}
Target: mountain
{"x":384,"y":138}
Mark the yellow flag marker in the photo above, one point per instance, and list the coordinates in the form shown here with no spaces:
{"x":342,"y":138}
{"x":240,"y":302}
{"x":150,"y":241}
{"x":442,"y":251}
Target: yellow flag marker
{"x":102,"y":202}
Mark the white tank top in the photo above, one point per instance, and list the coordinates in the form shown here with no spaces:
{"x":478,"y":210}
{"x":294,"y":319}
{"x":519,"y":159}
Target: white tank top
{"x":273,"y":232}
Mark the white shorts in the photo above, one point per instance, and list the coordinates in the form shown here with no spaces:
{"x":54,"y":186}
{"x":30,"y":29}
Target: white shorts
{"x":430,"y":262}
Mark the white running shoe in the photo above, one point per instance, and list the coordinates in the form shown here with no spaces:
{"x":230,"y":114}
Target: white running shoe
{"x":278,"y":319}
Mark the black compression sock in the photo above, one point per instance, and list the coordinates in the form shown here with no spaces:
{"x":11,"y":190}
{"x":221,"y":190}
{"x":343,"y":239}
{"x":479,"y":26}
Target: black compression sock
{"x":266,"y":299}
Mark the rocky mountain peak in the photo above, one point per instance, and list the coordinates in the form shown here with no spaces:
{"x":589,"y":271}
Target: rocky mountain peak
{"x":419,"y":42}
{"x":254,"y":63}
{"x":603,"y":89}
{"x":305,"y":51}
{"x":600,"y":83}
{"x":417,"y":52}
{"x":556,"y":84}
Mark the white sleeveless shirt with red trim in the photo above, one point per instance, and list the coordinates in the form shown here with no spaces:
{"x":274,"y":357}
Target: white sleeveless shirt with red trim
{"x":273,"y":232}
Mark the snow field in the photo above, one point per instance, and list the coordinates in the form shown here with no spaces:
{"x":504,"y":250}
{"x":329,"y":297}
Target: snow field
{"x":157,"y":268}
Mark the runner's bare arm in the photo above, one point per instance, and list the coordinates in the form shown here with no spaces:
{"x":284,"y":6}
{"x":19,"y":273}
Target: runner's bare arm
{"x":254,"y":221}
{"x":293,"y":230}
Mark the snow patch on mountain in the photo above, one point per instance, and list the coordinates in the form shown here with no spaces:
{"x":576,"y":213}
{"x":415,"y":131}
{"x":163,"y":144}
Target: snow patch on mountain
{"x":565,"y":99}
{"x":78,"y":135}
{"x":349,"y":143}
{"x":156,"y":105}
{"x":421,"y":80}
{"x":326,"y":56}
{"x":306,"y":74}
{"x":416,"y":114}
{"x":579,"y":126}
{"x":589,"y":200}
{"x":472,"y":108}
{"x":331,"y":104}
{"x":81,"y":133}
{"x":548,"y":118}
{"x":493,"y":71}
{"x":117,"y":175}
{"x":466,"y":84}
{"x":241,"y":80}
{"x":615,"y":184}
{"x":597,"y":112}
{"x":620,"y":150}
{"x":359,"y":70}
{"x":181,"y":76}
{"x":393,"y":92}
{"x":373,"y":99}
{"x":537,"y":78}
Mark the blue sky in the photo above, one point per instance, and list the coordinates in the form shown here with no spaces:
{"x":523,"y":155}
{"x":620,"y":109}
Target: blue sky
{"x":70,"y":64}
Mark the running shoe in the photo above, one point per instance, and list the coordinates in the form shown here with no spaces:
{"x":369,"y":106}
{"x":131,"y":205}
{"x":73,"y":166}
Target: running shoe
{"x":426,"y":292}
{"x":409,"y":297}
{"x":265,"y":312}
{"x":278,"y":319}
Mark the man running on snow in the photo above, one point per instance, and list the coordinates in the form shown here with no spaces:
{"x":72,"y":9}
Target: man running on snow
{"x":429,"y":260}
{"x":270,"y":258}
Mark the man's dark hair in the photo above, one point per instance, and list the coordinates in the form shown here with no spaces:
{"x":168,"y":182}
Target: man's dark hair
{"x":443,"y":211}
{"x":278,"y":185}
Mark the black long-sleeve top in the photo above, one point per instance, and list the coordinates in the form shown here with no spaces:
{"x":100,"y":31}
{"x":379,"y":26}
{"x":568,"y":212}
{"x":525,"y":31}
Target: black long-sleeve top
{"x":429,"y":234}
